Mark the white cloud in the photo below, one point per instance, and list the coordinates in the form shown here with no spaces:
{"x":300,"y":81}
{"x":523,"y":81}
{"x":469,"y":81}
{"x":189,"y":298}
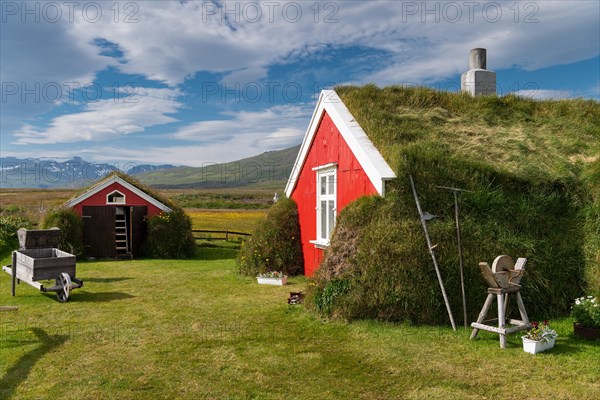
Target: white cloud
{"x":175,"y":40}
{"x":538,"y":35}
{"x":250,"y":132}
{"x":107,"y":119}
{"x":244,"y":134}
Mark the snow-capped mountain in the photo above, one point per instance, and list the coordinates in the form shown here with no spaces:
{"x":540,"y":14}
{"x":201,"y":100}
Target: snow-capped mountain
{"x":46,"y":173}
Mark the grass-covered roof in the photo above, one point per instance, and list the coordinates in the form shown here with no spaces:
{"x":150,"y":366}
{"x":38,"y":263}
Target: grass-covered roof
{"x":531,"y":139}
{"x":533,"y":171}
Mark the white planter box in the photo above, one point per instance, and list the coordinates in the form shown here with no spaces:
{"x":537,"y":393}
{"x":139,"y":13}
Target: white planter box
{"x":272,"y":281}
{"x":533,"y":347}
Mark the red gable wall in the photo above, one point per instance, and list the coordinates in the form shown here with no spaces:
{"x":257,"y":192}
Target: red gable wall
{"x":328,"y":147}
{"x":131,"y":199}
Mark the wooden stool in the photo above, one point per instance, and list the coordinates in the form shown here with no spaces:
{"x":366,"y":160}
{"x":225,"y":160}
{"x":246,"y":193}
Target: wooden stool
{"x":503,"y":278}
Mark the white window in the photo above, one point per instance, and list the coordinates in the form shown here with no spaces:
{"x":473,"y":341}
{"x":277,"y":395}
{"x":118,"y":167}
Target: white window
{"x":115,"y":197}
{"x":326,"y":202}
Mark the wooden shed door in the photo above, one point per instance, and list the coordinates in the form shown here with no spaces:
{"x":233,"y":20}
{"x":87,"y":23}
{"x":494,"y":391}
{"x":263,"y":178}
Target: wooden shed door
{"x":137,"y":229}
{"x":99,"y":231}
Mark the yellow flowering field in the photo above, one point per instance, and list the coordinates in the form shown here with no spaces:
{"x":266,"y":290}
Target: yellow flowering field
{"x":233,"y":220}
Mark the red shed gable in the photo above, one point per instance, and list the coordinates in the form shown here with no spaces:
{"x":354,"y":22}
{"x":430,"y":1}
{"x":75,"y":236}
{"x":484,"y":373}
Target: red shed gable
{"x":109,"y":191}
{"x":334,"y":142}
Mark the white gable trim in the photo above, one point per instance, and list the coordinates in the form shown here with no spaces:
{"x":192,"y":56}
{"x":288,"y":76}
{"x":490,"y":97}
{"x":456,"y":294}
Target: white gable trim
{"x":376,"y":168}
{"x":115,"y":179}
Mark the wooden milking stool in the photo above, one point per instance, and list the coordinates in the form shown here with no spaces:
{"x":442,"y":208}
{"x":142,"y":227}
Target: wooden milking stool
{"x":503,"y":280}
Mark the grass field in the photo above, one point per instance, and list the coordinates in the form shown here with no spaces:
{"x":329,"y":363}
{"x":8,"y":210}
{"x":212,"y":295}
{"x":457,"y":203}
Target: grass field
{"x":221,"y":198}
{"x":194,"y":329}
{"x":233,"y":220}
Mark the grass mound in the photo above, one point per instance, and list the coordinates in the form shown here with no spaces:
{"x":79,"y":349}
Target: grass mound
{"x":532,"y":171}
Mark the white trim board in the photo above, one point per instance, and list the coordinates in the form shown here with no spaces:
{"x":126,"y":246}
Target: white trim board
{"x":115,"y":179}
{"x":376,"y":168}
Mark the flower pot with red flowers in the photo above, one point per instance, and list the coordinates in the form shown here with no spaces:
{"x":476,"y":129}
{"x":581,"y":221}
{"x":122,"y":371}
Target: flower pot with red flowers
{"x":586,"y":312}
{"x":539,"y":338}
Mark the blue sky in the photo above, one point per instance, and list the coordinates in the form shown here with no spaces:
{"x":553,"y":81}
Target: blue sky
{"x":198,"y":82}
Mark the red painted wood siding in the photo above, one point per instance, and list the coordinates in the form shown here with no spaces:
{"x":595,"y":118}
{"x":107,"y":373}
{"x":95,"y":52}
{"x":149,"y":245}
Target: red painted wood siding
{"x":352,"y":182}
{"x":131,"y":199}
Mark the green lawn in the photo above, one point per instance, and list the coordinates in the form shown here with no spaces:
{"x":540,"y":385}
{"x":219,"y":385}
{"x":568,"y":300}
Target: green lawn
{"x":194,"y":329}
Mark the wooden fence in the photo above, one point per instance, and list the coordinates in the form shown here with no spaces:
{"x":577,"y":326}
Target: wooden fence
{"x":227,"y":234}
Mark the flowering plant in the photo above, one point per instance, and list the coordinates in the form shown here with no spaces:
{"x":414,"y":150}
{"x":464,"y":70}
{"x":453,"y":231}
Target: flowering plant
{"x":272,"y":274}
{"x":586,"y":312}
{"x":541,"y":332}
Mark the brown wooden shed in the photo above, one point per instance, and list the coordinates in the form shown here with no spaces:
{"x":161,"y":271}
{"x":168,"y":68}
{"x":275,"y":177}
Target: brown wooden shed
{"x":114,"y":213}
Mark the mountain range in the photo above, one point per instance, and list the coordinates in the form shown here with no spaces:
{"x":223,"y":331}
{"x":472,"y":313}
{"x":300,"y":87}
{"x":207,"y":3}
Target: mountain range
{"x":267,"y":170}
{"x":73,"y":173}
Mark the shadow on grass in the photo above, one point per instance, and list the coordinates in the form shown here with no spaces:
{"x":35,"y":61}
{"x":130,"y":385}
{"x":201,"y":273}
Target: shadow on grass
{"x":569,"y":347}
{"x":96,"y":297}
{"x":18,"y":373}
{"x":107,"y":280}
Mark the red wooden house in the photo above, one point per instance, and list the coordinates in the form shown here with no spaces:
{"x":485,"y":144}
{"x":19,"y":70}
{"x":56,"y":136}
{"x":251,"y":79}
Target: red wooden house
{"x":114,"y":215}
{"x":336,"y":164}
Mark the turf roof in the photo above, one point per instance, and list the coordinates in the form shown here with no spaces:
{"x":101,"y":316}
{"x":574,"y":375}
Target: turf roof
{"x":547,"y":140}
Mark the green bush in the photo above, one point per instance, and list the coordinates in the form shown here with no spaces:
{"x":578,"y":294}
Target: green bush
{"x":275,"y":245}
{"x":9,"y":225}
{"x":71,"y":229}
{"x":170,"y":236}
{"x":586,"y":311}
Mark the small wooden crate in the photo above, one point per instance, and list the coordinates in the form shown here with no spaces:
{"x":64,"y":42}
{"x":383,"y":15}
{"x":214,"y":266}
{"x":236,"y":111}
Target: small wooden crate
{"x":42,"y":264}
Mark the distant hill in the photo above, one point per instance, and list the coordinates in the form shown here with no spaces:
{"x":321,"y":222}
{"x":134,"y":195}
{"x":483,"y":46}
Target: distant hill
{"x":269,"y":170}
{"x":47,"y":174}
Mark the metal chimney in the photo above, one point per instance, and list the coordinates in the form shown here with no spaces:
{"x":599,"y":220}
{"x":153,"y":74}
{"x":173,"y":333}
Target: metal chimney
{"x":478,"y":81}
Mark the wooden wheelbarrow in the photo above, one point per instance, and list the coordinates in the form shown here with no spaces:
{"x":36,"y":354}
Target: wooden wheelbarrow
{"x":37,"y":259}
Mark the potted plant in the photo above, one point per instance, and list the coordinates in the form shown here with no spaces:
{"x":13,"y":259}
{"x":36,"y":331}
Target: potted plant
{"x":272,"y":278}
{"x":586,"y":312}
{"x":539,"y":338}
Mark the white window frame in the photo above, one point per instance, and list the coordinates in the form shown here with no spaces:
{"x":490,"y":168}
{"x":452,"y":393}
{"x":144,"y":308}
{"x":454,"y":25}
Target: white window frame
{"x":329,"y":172}
{"x":115,"y":202}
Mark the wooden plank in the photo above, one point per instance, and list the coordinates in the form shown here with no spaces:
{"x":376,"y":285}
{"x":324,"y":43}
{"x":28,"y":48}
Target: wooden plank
{"x":20,"y":277}
{"x":521,"y":307}
{"x":216,"y":231}
{"x":38,"y":239}
{"x":99,"y":231}
{"x":487,"y":275}
{"x":501,"y":320}
{"x":482,"y":314}
{"x":510,"y":289}
{"x":8,"y":308}
{"x":13,"y":271}
{"x":501,"y":331}
{"x":488,"y":328}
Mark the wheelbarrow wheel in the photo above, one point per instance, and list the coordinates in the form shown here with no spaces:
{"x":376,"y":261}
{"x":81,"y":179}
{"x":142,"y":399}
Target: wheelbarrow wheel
{"x":64,"y":280}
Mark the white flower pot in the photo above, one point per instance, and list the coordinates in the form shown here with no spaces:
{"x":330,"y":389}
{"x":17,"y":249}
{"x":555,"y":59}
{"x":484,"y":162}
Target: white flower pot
{"x":272,"y":281}
{"x":534,"y":347}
